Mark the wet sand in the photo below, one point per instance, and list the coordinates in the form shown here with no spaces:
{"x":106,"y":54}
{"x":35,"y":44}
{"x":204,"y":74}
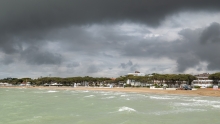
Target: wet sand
{"x":201,"y":92}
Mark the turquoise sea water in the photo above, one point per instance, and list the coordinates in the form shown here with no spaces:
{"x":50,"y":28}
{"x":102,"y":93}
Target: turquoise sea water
{"x":40,"y":106}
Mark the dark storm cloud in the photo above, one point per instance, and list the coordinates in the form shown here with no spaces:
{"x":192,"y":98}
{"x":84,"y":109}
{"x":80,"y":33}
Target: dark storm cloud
{"x":41,"y":14}
{"x":186,"y":62}
{"x":36,"y":56}
{"x":92,"y":40}
{"x":211,"y":34}
{"x":7,"y":60}
{"x":134,"y":67}
{"x":9,"y":46}
{"x":73,"y":65}
{"x":28,"y":23}
{"x":93,"y":69}
{"x":209,"y":52}
{"x":25,"y":15}
{"x":188,"y":52}
{"x":130,"y":66}
{"x":126,"y":65}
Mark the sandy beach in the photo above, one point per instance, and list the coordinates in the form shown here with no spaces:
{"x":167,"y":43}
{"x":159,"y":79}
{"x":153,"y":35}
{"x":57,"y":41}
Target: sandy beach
{"x":201,"y":92}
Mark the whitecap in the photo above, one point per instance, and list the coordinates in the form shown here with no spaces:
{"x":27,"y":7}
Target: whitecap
{"x":51,"y":91}
{"x":198,"y":102}
{"x":216,"y":106}
{"x":177,"y":111}
{"x":124,"y":108}
{"x":157,"y":97}
{"x":110,"y":97}
{"x":184,"y":104}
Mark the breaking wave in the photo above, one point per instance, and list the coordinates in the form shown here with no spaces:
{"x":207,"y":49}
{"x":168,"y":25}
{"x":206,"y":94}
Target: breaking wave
{"x":51,"y":91}
{"x":124,"y":108}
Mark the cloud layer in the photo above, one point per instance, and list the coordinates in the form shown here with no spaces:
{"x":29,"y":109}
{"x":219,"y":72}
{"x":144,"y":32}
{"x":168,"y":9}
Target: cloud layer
{"x":108,"y":38}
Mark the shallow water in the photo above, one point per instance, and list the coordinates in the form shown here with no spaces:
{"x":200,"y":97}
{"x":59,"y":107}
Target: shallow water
{"x":40,"y":106}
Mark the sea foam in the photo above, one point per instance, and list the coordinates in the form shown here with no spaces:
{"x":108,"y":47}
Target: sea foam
{"x":177,"y":111}
{"x":216,"y":106}
{"x":160,"y":98}
{"x":51,"y":91}
{"x":110,"y":97}
{"x":124,"y":108}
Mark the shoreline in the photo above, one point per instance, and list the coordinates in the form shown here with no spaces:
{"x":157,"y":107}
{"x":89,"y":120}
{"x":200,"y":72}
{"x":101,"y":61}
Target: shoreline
{"x":200,"y":92}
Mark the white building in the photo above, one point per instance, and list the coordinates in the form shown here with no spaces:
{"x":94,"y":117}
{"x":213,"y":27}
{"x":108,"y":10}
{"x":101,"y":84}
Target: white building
{"x":133,"y":82}
{"x":202,"y":80}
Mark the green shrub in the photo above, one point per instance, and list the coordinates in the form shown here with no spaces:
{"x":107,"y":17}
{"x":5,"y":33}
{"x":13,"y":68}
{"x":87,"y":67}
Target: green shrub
{"x":197,"y":86}
{"x":157,"y":86}
{"x":128,"y":85}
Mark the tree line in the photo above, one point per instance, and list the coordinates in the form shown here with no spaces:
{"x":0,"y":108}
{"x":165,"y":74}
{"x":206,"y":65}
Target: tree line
{"x":215,"y":77}
{"x":97,"y":81}
{"x":64,"y":81}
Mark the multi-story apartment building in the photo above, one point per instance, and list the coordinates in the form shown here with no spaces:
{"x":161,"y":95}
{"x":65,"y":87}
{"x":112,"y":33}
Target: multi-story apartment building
{"x":202,"y":80}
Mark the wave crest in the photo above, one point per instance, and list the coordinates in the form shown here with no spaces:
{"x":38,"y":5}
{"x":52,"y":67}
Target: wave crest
{"x":124,"y":108}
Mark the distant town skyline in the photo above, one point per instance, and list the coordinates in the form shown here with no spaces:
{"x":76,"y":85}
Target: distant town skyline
{"x":108,"y":38}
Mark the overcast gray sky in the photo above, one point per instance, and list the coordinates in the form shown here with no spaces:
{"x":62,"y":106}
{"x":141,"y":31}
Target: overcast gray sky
{"x":108,"y":38}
